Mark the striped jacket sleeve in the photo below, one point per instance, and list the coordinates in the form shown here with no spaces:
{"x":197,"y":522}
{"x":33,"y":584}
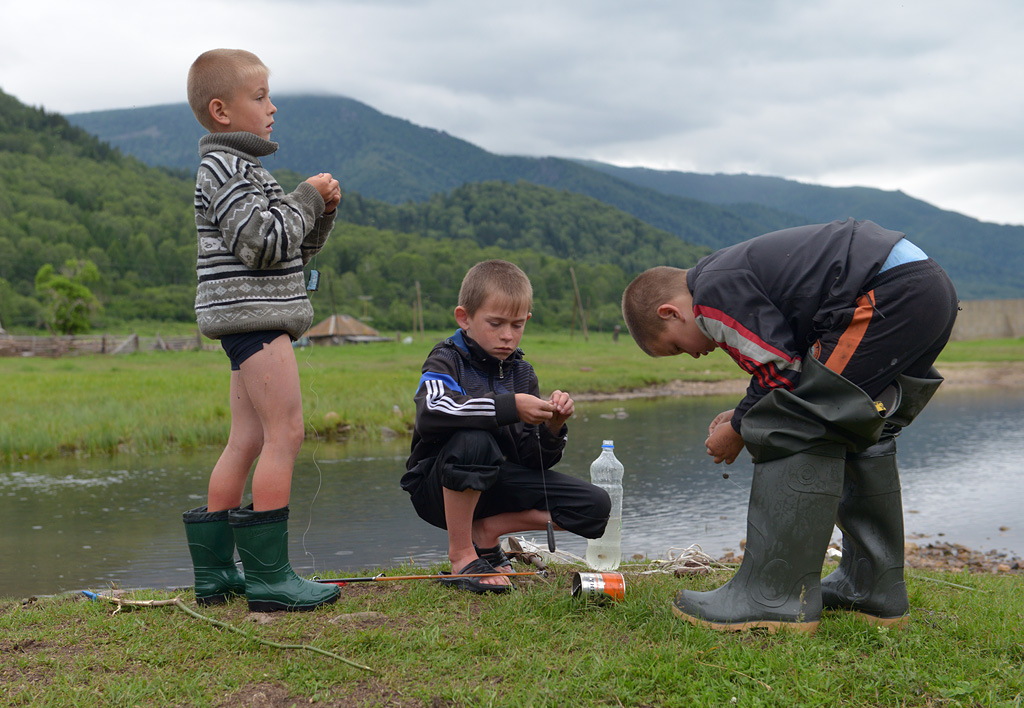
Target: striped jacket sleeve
{"x":258,"y":223}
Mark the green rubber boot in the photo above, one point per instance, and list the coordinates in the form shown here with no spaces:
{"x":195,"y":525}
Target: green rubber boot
{"x":869,"y":579}
{"x":789,"y":523}
{"x":212,"y":547}
{"x":270,"y":582}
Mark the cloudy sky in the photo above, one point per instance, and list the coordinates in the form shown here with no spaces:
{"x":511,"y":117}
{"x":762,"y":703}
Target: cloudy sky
{"x":924,"y":96}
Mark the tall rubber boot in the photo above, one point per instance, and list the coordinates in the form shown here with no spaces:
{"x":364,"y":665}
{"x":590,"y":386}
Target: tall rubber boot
{"x":212,"y":547}
{"x":792,"y":511}
{"x":270,"y":582}
{"x":869,"y":579}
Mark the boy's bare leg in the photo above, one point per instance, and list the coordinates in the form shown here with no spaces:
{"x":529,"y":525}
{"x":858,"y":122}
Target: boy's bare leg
{"x":458,"y":517}
{"x":271,"y":379}
{"x":227,"y":480}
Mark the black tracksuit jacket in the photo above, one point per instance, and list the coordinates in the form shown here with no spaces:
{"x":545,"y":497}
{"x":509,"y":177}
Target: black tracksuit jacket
{"x":765,"y":301}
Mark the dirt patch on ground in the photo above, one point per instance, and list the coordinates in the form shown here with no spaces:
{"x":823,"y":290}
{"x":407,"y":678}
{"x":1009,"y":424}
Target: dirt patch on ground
{"x":957,"y":558}
{"x":1002,"y":374}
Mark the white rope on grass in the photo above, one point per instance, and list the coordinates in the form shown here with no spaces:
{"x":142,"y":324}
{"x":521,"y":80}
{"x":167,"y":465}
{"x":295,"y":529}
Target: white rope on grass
{"x":689,"y":560}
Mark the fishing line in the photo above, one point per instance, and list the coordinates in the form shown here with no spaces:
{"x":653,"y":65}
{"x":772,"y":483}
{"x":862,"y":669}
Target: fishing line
{"x":544,"y":480}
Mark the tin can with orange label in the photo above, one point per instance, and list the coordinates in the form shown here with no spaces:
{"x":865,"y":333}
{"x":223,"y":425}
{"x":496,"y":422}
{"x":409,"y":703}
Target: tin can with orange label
{"x":598,"y":587}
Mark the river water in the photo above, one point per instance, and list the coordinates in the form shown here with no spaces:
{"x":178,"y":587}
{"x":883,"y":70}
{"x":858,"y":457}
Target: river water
{"x":86,"y":523}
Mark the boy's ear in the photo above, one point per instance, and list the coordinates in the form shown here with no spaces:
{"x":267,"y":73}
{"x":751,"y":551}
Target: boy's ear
{"x":668,"y":311}
{"x":218,"y":111}
{"x":461,"y":317}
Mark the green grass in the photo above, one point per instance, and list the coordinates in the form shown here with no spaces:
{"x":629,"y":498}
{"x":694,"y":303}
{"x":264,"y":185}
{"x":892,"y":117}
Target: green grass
{"x":156,"y":401}
{"x":432,"y":646}
{"x":987,"y":350}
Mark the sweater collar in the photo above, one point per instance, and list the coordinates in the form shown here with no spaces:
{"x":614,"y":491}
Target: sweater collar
{"x":245,"y":145}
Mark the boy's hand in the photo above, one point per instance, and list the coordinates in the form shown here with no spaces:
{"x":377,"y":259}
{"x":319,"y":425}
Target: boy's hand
{"x":723,"y":417}
{"x":723,"y":443}
{"x":564,"y":408}
{"x":534,"y":410}
{"x":329,"y":189}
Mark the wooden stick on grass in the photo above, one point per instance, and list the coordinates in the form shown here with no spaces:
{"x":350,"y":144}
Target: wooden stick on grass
{"x":176,"y":602}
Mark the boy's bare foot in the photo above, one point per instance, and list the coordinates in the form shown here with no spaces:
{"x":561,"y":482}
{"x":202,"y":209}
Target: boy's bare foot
{"x":464,"y":561}
{"x":496,"y":557}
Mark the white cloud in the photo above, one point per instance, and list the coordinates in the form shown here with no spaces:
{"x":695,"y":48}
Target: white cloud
{"x":918,"y":95}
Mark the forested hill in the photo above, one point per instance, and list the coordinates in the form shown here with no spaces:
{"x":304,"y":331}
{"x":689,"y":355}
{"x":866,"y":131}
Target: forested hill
{"x":393,"y":160}
{"x":986,"y":260}
{"x":72,"y":208}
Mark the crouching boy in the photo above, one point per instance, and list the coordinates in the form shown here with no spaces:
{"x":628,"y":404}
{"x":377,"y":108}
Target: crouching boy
{"x":485,"y":440}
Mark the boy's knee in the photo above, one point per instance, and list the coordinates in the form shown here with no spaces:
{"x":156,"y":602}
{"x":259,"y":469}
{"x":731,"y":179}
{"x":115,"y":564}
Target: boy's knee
{"x":288,"y":433}
{"x":587,"y":516}
{"x":470,"y":459}
{"x":246,"y":445}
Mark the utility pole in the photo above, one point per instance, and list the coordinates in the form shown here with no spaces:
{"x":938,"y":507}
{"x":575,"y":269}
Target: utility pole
{"x":419,"y":306}
{"x":578,"y":304}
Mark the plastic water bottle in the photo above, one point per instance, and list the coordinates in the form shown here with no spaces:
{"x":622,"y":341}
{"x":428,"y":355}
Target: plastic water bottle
{"x":605,"y":553}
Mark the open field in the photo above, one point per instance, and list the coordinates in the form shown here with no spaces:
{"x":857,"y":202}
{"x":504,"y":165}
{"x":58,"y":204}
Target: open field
{"x":149,"y":401}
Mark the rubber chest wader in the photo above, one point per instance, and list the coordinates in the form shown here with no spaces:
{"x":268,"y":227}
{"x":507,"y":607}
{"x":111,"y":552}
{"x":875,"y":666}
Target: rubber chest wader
{"x":869,"y":579}
{"x":212,"y":547}
{"x":799,"y":440}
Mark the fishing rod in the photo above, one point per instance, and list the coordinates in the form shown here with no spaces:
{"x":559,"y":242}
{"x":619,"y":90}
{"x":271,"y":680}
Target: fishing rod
{"x":381,"y":577}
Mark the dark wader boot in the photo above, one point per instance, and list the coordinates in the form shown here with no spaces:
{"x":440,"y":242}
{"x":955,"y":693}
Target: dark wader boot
{"x":869,"y":579}
{"x":799,"y":441}
{"x":212,"y":547}
{"x":270,"y":582}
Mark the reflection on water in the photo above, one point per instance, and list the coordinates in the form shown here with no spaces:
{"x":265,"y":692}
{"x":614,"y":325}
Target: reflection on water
{"x":75,"y":524}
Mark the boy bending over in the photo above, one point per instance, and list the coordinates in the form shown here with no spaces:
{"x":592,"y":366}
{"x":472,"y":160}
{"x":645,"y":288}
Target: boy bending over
{"x":838,"y":325}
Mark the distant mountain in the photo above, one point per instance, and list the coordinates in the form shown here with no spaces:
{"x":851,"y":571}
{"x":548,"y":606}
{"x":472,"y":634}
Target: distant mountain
{"x":985,"y":259}
{"x":396,"y":161}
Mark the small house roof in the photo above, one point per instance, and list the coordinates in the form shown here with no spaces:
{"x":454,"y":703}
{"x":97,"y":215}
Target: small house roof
{"x":341,"y":326}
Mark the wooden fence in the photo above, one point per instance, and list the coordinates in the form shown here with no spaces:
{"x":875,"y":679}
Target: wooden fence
{"x":94,"y":344}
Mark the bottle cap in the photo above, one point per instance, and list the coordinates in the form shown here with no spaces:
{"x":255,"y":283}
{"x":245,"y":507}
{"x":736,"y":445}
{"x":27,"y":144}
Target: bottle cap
{"x":608,"y":444}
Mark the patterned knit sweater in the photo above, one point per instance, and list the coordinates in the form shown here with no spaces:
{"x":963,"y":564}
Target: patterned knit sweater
{"x":253,"y":240}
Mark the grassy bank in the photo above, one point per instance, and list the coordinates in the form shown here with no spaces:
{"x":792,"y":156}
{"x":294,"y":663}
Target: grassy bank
{"x":155,"y":401}
{"x":432,"y":646}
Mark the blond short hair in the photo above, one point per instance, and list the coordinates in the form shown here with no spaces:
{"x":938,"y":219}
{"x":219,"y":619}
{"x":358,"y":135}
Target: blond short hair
{"x":642,"y":298}
{"x":218,"y":73}
{"x":501,"y":278}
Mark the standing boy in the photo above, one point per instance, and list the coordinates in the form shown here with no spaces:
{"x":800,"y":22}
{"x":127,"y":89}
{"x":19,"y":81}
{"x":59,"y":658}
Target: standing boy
{"x":253,"y":243}
{"x":485,"y":440}
{"x":838,"y":325}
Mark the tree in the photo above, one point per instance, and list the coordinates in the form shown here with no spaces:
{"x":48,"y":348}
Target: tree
{"x":68,"y":303}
